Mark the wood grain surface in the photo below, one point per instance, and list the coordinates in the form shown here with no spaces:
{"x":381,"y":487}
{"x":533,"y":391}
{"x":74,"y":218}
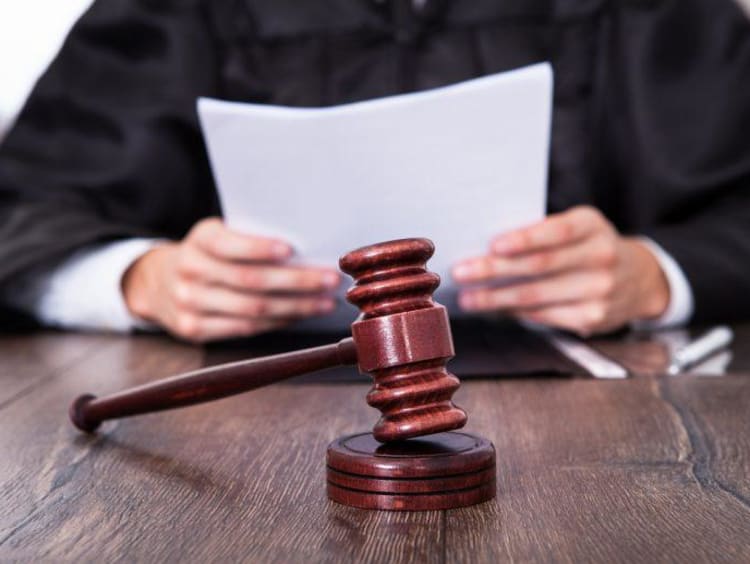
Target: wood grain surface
{"x":648,"y":469}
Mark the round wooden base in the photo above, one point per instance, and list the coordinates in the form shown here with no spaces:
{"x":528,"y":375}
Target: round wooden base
{"x":441,"y":471}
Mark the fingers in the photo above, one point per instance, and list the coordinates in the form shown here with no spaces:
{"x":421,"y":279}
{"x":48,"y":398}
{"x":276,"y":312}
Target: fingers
{"x":201,"y":329}
{"x":197,"y":266}
{"x":205,"y":313}
{"x":563,"y":288}
{"x":572,"y":271}
{"x":217,"y":283}
{"x":214,"y":238}
{"x":217,"y":300}
{"x":593,"y":252}
{"x":559,"y":229}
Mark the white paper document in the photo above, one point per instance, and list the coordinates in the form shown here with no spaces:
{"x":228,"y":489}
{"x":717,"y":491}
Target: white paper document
{"x":457,"y":164}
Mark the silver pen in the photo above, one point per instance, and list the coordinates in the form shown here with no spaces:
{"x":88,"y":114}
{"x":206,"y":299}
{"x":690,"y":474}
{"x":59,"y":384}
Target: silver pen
{"x":700,"y":349}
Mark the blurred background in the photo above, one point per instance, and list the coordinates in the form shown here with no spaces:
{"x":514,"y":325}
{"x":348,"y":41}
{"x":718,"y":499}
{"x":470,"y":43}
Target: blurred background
{"x":31,"y":32}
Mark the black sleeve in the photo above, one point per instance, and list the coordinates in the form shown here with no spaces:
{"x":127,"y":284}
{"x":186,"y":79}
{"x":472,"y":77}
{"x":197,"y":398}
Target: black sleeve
{"x":108,"y":145}
{"x":677,"y":125}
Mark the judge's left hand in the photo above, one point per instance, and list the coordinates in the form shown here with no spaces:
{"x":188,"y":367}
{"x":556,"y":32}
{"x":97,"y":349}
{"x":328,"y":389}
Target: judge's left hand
{"x":572,"y":270}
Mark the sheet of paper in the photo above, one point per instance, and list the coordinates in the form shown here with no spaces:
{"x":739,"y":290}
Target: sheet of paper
{"x":458,"y":164}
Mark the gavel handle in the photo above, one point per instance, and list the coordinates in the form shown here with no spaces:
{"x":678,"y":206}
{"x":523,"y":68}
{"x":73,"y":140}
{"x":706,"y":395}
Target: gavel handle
{"x":215,"y":382}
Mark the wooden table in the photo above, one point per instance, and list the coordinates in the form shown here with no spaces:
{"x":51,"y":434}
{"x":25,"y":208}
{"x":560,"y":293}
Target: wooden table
{"x":649,"y":469}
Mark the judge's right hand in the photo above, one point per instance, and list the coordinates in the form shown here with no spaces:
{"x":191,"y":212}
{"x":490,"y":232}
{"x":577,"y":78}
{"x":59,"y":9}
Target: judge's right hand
{"x":217,"y":283}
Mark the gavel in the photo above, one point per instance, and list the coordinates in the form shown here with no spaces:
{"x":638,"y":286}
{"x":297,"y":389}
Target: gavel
{"x":402,"y":338}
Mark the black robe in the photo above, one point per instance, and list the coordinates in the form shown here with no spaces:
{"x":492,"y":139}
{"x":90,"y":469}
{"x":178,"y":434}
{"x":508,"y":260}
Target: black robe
{"x":651,"y":119}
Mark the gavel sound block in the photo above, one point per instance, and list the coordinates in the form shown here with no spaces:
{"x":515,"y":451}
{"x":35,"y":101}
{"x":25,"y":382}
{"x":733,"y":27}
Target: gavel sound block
{"x":413,"y":459}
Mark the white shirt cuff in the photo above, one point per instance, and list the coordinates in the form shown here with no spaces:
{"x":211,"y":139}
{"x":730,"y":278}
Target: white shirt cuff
{"x":680,"y":307}
{"x":85,"y":291}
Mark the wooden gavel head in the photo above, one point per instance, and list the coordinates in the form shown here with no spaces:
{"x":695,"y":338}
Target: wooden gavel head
{"x":403,"y":339}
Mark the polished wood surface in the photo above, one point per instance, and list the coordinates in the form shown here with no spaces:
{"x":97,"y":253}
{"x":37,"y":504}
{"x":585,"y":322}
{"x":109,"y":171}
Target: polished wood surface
{"x":645,"y":469}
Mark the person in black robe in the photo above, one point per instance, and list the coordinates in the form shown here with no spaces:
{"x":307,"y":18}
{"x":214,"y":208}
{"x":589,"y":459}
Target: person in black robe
{"x":650,"y":139}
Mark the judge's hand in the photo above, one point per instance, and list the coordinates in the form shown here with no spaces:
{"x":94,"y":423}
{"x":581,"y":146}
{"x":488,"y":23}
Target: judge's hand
{"x":217,"y":283}
{"x":572,"y":270}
